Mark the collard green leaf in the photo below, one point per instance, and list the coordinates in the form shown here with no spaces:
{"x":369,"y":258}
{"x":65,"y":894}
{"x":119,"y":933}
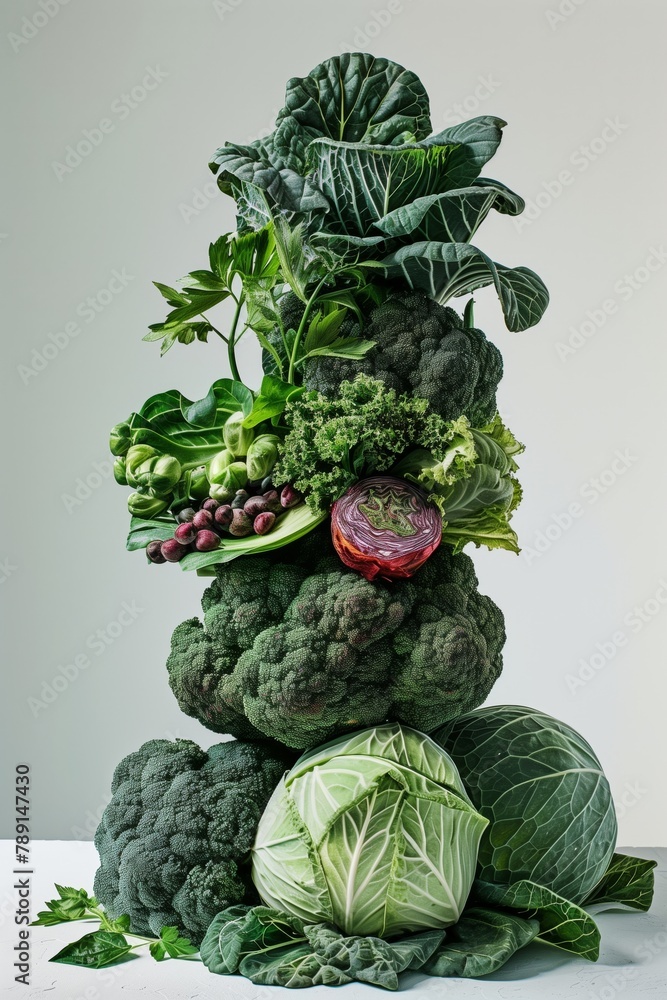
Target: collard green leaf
{"x":242,"y":930}
{"x":94,"y":951}
{"x":355,"y":97}
{"x":264,"y":167}
{"x":477,"y":140}
{"x":365,"y":183}
{"x":480,"y":943}
{"x":627,"y":883}
{"x":452,"y":216}
{"x":561,"y":922}
{"x":293,"y":966}
{"x":445,"y":270}
{"x":272,"y":949}
{"x":190,"y":431}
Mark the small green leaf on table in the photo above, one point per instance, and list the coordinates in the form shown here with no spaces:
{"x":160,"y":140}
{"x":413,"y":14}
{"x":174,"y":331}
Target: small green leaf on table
{"x":170,"y":944}
{"x":94,"y":951}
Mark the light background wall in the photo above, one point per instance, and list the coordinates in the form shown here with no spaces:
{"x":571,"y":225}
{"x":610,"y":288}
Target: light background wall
{"x":142,"y":204}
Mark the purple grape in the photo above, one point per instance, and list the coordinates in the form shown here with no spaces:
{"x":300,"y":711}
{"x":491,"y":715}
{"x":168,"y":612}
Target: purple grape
{"x":264,"y":522}
{"x":223,"y":516}
{"x":186,"y":515}
{"x":185,"y":533}
{"x":154,"y":551}
{"x":210,"y":505}
{"x":241,"y":524}
{"x":289,"y":497}
{"x":172,"y":550}
{"x":206,"y":540}
{"x":203,"y":519}
{"x":255,"y":505}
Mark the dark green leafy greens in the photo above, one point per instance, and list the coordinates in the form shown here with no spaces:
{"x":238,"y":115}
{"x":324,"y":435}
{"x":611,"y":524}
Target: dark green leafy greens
{"x":476,"y":507}
{"x":108,"y":945}
{"x":273,"y":949}
{"x":561,"y":922}
{"x":481,"y":942}
{"x":351,"y":161}
{"x":95,"y":950}
{"x":628,"y":883}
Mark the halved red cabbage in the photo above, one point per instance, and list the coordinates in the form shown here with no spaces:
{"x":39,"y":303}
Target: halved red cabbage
{"x":385,"y":527}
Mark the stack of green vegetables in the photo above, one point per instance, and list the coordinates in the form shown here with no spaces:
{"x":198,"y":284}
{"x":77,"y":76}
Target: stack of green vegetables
{"x":416,"y":831}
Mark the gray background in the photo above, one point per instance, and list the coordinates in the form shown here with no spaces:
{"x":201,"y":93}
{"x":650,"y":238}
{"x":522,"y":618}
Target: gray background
{"x":143,"y":203}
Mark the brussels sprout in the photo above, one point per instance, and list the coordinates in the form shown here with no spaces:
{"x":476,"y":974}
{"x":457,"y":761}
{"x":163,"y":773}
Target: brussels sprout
{"x":146,"y":468}
{"x":198,"y":488}
{"x":218,"y":464}
{"x":146,"y":506}
{"x":120,"y":438}
{"x":119,"y":472}
{"x":262,"y":456}
{"x":231,"y":479}
{"x":134,"y":459}
{"x":221,"y":493}
{"x":237,"y":437}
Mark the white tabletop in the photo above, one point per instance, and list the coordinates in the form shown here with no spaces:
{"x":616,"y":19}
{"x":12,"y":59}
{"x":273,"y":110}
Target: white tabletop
{"x":633,"y":957}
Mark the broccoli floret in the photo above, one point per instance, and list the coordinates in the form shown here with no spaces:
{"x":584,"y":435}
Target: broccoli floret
{"x":175,"y":838}
{"x":421,"y":348}
{"x":329,"y":651}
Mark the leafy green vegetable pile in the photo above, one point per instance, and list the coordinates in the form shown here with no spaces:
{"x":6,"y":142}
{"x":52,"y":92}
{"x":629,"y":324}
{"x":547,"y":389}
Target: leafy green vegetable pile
{"x":331,"y":504}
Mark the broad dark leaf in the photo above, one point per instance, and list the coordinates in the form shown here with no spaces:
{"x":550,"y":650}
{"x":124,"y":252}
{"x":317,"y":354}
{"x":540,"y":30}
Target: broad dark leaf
{"x":628,"y":882}
{"x":481,"y":942}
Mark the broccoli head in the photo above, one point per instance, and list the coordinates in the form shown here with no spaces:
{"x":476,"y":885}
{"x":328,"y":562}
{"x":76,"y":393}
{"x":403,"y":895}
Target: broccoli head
{"x":174,"y":841}
{"x":421,"y":348}
{"x":301,"y":653}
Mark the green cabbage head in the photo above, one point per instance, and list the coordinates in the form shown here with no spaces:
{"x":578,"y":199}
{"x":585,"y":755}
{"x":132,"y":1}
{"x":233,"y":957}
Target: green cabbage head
{"x":373,"y":833}
{"x":552,"y":817}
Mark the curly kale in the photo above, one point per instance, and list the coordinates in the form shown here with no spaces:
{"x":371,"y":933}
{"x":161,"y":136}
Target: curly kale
{"x":421,"y":348}
{"x":365,"y":429}
{"x":175,"y":838}
{"x":301,"y":654}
